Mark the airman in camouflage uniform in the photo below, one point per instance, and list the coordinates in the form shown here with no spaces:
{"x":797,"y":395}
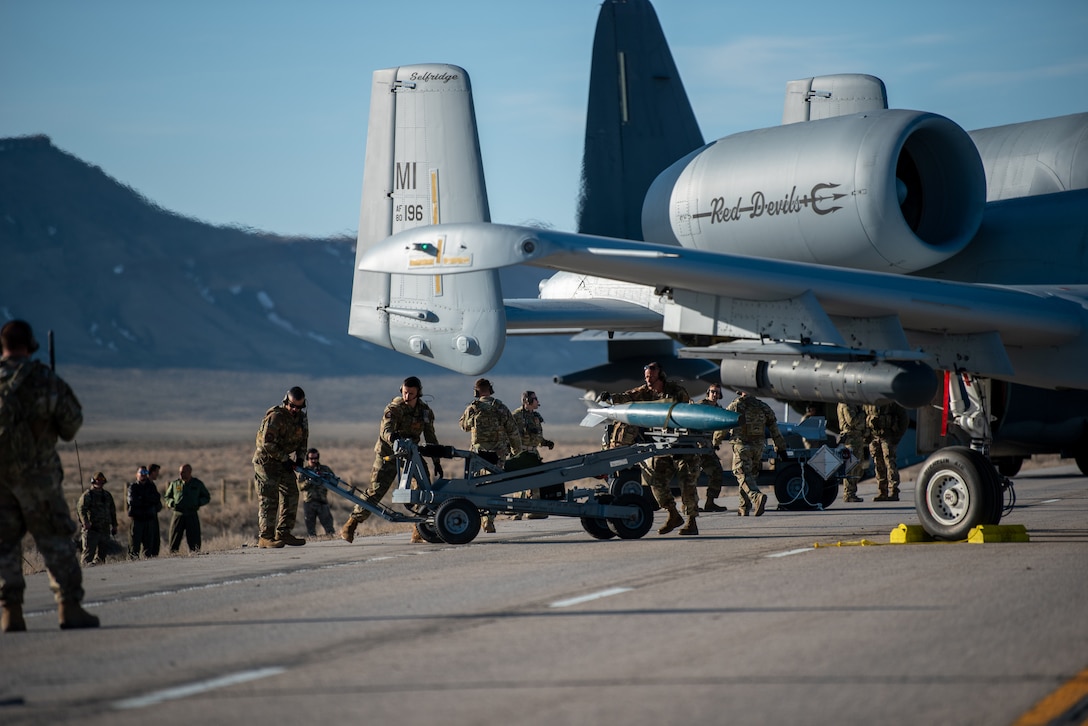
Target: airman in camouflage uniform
{"x":495,"y":436}
{"x":97,"y":514}
{"x":709,"y":462}
{"x":662,"y":469}
{"x":531,"y":427}
{"x":853,"y":433}
{"x":31,"y":497}
{"x":406,"y":417}
{"x":887,"y":422}
{"x":757,"y":420}
{"x":281,"y":445}
{"x":315,"y":498}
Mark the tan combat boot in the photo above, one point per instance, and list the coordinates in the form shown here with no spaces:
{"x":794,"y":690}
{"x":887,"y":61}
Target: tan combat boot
{"x":760,"y":503}
{"x":690,"y":528}
{"x":289,"y":539}
{"x":71,"y":616}
{"x":417,"y":538}
{"x":11,"y":621}
{"x":711,"y":506}
{"x":265,"y":543}
{"x":674,"y":520}
{"x":347,"y":532}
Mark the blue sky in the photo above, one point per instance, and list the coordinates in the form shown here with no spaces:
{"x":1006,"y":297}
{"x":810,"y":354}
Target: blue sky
{"x":253,"y":112}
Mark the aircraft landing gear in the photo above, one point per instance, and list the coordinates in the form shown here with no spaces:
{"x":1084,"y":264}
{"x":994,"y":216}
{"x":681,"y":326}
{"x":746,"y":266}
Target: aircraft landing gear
{"x":958,"y":489}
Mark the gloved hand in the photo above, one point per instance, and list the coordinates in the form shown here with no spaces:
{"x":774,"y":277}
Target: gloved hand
{"x":604,"y":397}
{"x":549,"y":444}
{"x":437,"y":468}
{"x":780,"y":453}
{"x":289,"y":466}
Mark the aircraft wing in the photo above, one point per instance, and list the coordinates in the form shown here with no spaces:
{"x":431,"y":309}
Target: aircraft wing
{"x":798,"y":302}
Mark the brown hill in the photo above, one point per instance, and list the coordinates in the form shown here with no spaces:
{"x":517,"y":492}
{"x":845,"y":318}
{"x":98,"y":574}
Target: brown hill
{"x":127,"y":284}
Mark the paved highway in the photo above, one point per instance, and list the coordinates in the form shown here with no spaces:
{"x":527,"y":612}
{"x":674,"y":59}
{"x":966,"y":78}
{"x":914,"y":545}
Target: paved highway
{"x":750,"y":623}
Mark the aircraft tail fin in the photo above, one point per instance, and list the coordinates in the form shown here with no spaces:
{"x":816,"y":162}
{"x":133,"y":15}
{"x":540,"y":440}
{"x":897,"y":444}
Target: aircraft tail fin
{"x":638,"y":122}
{"x":423,"y":167}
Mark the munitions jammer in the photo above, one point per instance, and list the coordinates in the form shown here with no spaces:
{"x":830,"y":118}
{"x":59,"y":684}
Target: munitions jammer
{"x":449,"y":510}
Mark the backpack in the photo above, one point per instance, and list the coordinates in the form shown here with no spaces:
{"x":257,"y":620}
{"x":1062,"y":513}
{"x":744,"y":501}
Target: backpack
{"x":16,"y":437}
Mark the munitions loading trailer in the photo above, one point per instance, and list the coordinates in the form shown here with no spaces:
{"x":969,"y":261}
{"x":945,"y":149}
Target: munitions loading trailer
{"x":449,"y":510}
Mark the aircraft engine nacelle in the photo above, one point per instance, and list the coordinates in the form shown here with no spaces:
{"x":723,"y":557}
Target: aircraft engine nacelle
{"x":887,"y":190}
{"x":911,"y":384}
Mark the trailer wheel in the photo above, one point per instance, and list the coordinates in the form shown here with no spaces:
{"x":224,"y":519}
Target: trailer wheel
{"x":597,"y":528}
{"x":831,"y":492}
{"x":428,"y":533}
{"x":457,"y":521}
{"x":629,"y":481}
{"x":638,"y":523}
{"x":800,"y":489}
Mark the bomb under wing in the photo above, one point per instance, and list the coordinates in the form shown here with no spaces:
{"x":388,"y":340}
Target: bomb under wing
{"x":664,"y":415}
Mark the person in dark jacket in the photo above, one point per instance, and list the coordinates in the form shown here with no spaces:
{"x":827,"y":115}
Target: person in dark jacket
{"x":186,"y":495}
{"x":144,"y":505}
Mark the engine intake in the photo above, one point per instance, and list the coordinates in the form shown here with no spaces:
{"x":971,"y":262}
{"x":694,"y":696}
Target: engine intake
{"x":892,"y":191}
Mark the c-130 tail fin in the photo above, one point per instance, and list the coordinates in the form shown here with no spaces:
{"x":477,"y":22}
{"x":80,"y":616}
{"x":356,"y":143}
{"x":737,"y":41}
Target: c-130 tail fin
{"x":423,"y":167}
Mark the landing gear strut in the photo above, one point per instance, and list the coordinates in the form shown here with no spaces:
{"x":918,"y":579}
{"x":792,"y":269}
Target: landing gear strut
{"x":958,"y":487}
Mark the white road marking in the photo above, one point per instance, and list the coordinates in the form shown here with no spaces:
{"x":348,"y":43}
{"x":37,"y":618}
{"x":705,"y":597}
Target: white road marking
{"x":1049,"y":501}
{"x":171,"y":694}
{"x":587,"y":598}
{"x":791,"y":552}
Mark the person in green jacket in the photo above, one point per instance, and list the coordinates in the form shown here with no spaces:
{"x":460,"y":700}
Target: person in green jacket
{"x":186,"y":496}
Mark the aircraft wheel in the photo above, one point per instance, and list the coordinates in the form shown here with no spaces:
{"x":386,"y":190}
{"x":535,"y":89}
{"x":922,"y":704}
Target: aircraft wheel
{"x":597,"y":528}
{"x":957,"y":490}
{"x":1081,"y":458}
{"x":799,"y":494}
{"x":636,"y":525}
{"x":1009,"y":465}
{"x":457,"y":521}
{"x":428,"y":533}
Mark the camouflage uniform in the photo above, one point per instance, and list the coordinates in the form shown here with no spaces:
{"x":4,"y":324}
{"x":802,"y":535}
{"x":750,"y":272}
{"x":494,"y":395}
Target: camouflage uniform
{"x":399,"y":421}
{"x":531,"y":428}
{"x":710,"y":464}
{"x":663,"y":468}
{"x":98,"y":516}
{"x":757,"y":420}
{"x":887,"y":422}
{"x":492,"y":427}
{"x":853,"y":433}
{"x":315,"y":502}
{"x":31,"y":497}
{"x":494,"y":434}
{"x":186,"y":498}
{"x":283,"y":436}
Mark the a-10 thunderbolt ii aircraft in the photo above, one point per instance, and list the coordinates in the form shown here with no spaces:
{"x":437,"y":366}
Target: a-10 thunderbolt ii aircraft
{"x":855,"y":253}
